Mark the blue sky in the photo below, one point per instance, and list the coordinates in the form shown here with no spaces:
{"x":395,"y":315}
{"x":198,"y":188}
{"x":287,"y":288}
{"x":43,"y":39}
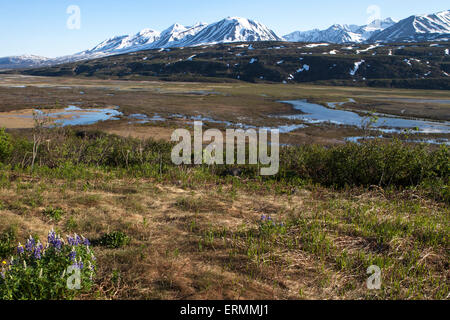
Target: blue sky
{"x":39,"y":26}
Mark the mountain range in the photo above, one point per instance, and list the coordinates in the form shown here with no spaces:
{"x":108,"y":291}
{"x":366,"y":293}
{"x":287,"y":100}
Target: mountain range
{"x":338,"y":33}
{"x":233,"y":29}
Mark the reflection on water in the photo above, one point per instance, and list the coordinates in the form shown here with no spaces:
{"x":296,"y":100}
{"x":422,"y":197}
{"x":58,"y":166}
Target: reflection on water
{"x":74,"y":116}
{"x":315,"y":113}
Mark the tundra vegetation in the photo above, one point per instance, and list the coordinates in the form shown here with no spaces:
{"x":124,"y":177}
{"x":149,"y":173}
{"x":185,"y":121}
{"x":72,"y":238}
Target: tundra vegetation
{"x":161,"y":231}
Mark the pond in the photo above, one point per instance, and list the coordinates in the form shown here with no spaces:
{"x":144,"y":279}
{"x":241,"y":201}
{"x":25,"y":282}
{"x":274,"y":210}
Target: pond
{"x":75,"y":116}
{"x":315,"y":113}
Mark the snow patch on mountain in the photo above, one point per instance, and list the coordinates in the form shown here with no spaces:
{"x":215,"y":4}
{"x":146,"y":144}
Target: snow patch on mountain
{"x":356,"y":67}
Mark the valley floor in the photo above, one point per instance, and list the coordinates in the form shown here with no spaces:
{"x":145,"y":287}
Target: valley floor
{"x":239,"y":103}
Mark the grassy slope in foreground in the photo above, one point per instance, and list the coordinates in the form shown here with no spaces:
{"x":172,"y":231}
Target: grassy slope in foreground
{"x":195,"y":233}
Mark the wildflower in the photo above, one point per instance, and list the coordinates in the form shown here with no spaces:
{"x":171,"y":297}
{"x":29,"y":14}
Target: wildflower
{"x":20,"y":249}
{"x":4,"y":262}
{"x":73,"y":255}
{"x":74,"y":241}
{"x":79,"y":239}
{"x":86,"y":242}
{"x":39,"y":249}
{"x":29,"y":246}
{"x":55,"y":240}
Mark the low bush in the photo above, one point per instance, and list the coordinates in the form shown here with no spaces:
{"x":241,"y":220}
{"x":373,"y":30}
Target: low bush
{"x":5,"y":145}
{"x":7,"y":243}
{"x":54,"y":214}
{"x":113,"y":240}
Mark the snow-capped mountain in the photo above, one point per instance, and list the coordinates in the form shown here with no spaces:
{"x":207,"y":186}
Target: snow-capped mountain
{"x":23,"y":61}
{"x":227,"y":30}
{"x":341,"y":33}
{"x":177,"y":35}
{"x":420,"y":27}
{"x":232,"y":30}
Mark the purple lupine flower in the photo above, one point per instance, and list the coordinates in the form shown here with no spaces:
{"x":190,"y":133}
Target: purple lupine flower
{"x":55,"y":240}
{"x":57,"y":244}
{"x":51,"y":236}
{"x":70,"y":241}
{"x":73,"y":255}
{"x":75,"y":240}
{"x":20,"y":249}
{"x":39,"y":249}
{"x":37,"y":254}
{"x":86,"y":242}
{"x":29,"y":246}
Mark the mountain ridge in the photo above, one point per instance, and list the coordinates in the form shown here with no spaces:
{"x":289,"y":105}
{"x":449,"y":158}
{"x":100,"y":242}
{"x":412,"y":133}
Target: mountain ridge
{"x":341,"y":33}
{"x":416,"y":28}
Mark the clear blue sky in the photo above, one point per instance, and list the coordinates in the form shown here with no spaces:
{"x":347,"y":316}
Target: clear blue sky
{"x":39,"y":26}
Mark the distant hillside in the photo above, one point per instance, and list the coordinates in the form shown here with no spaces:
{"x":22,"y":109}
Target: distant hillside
{"x":422,"y":65}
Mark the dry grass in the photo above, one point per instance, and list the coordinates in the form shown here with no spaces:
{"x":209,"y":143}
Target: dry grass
{"x":204,"y":243}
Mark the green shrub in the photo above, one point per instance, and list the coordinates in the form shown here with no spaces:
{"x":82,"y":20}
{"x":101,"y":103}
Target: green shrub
{"x":115,"y":240}
{"x":54,"y":214}
{"x":370,"y":163}
{"x":38,"y":272}
{"x":7,"y":243}
{"x":5,"y":145}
